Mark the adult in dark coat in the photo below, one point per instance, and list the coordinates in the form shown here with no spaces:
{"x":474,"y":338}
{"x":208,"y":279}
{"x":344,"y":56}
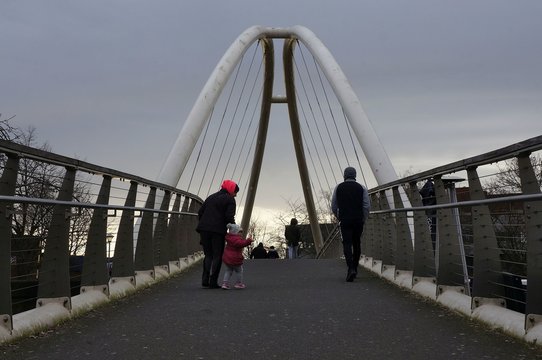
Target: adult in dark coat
{"x":292,"y":233}
{"x":258,"y":252}
{"x":350,"y":204}
{"x":217,"y":211}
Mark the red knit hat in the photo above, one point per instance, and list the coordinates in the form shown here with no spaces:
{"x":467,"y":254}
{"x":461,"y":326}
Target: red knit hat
{"x":230,"y":186}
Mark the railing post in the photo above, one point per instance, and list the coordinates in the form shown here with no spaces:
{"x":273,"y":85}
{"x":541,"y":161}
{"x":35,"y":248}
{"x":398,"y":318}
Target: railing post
{"x":160,"y":232}
{"x":173,"y":231}
{"x":389,"y":233}
{"x":146,"y":254}
{"x":449,"y":270}
{"x":193,"y":237}
{"x":95,"y":272}
{"x":404,"y":252}
{"x":378,"y":233}
{"x":486,"y":265}
{"x":123,"y":262}
{"x":424,"y":256}
{"x":533,"y":229}
{"x":54,"y":270}
{"x":8,"y":184}
{"x":184,"y":223}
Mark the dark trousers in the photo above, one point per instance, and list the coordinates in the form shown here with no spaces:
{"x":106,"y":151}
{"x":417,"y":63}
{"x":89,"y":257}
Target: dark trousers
{"x":213,"y":248}
{"x":351,"y":234}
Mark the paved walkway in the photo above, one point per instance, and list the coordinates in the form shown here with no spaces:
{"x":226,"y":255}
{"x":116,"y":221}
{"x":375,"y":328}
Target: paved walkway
{"x":300,"y":309}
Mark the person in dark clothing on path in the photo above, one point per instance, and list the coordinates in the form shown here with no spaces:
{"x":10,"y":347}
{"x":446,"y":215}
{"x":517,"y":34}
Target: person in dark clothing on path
{"x":292,"y":233}
{"x":258,"y":252}
{"x":350,"y":204}
{"x":272,"y":253}
{"x":217,"y":211}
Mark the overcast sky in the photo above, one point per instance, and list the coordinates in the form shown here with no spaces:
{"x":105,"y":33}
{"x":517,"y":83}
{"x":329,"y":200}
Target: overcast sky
{"x":111,"y":82}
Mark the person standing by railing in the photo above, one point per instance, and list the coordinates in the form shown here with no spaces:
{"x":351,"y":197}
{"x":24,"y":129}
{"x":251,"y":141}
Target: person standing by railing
{"x":217,"y":211}
{"x":350,"y":203}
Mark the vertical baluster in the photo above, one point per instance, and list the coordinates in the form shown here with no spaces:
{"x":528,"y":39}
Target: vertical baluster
{"x":173,"y":231}
{"x":389,"y":233}
{"x":160,"y":232}
{"x":123,"y":262}
{"x":8,"y":183}
{"x":54,"y":271}
{"x":404,"y":253}
{"x":184,"y":223}
{"x":193,"y":236}
{"x":449,"y":270}
{"x":533,"y":229}
{"x":424,"y":256}
{"x":146,"y":254}
{"x":95,"y":272}
{"x":486,"y":266}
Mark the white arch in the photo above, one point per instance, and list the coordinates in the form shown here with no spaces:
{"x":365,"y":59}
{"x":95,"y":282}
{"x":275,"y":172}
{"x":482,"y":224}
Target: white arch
{"x":180,"y":153}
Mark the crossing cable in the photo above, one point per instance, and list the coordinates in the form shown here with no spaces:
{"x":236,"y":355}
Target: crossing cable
{"x":246,"y":136}
{"x":331,"y":113}
{"x":199,"y":152}
{"x":307,"y":123}
{"x":243,"y":118}
{"x":305,"y":141}
{"x":220,"y":126}
{"x":321,"y":111}
{"x":349,"y":130}
{"x":311,"y":109}
{"x":251,"y":146}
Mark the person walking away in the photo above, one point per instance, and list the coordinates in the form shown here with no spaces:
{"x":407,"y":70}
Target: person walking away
{"x":272,"y":253}
{"x":258,"y":252}
{"x":217,"y":211}
{"x":233,"y":256}
{"x":292,"y":233}
{"x":350,"y":205}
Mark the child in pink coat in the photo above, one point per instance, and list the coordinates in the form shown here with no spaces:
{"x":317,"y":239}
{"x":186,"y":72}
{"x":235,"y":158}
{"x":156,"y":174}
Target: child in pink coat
{"x":233,"y":256}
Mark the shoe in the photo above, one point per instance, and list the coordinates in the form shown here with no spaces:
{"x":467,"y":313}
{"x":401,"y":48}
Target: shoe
{"x":205,"y":284}
{"x":350,"y":276}
{"x":239,"y":286}
{"x":214,"y":286}
{"x":225,"y":286}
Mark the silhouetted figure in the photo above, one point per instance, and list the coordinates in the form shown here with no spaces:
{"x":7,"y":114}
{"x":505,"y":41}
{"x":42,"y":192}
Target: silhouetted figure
{"x":258,"y":252}
{"x":272,"y":253}
{"x":350,"y":204}
{"x":292,"y":233}
{"x":216,"y":212}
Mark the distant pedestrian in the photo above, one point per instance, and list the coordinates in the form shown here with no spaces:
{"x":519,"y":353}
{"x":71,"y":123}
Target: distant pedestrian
{"x":272,"y":253}
{"x":233,"y":256}
{"x":350,"y":204}
{"x":292,"y":233}
{"x":258,"y":252}
{"x":217,"y":211}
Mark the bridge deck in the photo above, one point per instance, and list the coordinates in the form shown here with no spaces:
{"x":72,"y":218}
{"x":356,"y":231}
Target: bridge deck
{"x":300,"y":309}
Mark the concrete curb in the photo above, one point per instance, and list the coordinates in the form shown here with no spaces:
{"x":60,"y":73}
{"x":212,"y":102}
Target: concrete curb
{"x":55,"y":310}
{"x":489,"y":312}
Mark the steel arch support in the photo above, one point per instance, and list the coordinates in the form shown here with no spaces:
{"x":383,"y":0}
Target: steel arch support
{"x":180,"y":153}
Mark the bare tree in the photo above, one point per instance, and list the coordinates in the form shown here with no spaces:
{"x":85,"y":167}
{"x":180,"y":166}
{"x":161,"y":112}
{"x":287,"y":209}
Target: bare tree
{"x":509,"y":219}
{"x":38,"y":179}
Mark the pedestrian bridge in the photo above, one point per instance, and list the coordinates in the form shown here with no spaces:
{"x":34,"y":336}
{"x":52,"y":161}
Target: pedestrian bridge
{"x":464,"y":235}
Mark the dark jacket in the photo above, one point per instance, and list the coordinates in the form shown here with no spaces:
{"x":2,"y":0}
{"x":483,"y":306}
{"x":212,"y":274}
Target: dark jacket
{"x":217,"y":211}
{"x":292,"y":234}
{"x":258,"y":252}
{"x":350,"y":202}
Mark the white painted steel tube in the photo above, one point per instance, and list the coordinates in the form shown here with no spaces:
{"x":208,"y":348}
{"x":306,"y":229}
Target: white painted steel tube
{"x":178,"y":157}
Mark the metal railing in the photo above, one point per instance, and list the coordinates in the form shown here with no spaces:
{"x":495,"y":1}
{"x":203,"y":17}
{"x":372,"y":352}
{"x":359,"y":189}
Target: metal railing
{"x":68,"y":225}
{"x":474,"y":225}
